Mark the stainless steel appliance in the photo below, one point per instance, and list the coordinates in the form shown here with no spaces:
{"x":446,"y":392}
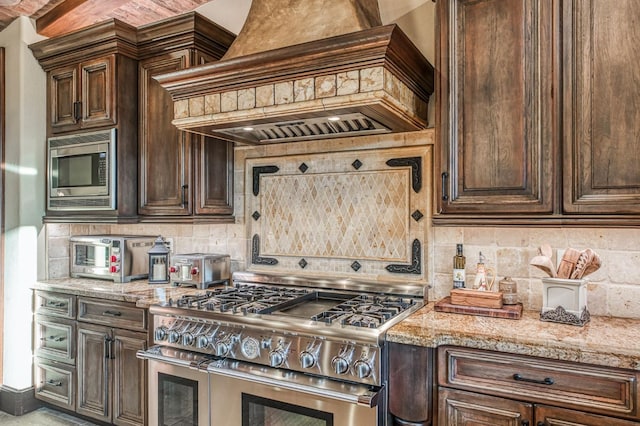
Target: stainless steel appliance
{"x":282,"y":347}
{"x":120,"y":258}
{"x":82,"y":171}
{"x":201,"y":270}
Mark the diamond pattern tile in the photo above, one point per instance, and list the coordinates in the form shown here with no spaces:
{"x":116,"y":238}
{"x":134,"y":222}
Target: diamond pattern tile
{"x":348,"y":209}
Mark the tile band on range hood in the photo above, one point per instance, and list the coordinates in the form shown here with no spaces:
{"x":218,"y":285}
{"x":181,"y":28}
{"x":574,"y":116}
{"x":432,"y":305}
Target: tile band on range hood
{"x":370,"y":81}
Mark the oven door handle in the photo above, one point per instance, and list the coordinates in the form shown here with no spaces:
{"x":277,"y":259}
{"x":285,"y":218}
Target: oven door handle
{"x":155,"y":355}
{"x":356,"y":394}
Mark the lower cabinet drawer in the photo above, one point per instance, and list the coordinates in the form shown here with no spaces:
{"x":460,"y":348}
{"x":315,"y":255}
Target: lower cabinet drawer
{"x":55,"y":338}
{"x":112,"y":314}
{"x":55,"y":383}
{"x":585,"y":387}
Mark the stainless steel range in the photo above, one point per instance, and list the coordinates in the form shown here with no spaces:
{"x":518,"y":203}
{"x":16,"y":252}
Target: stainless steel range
{"x":317,"y":338}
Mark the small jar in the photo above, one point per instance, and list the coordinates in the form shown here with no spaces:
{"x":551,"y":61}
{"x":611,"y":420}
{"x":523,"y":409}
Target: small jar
{"x":509,"y":290}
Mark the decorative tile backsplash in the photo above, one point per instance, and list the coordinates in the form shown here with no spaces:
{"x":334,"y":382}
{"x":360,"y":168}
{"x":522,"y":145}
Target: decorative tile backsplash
{"x":612,"y":290}
{"x":357,"y":213}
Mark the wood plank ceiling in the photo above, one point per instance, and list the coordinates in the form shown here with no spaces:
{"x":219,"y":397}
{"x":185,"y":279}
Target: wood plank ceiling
{"x":55,"y":17}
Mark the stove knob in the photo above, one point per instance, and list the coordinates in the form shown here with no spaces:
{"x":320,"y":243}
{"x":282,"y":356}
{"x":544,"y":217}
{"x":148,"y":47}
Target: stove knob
{"x":363,"y":368}
{"x":174,"y":336}
{"x":187,"y":339}
{"x":307,"y":359}
{"x":161,"y":333}
{"x":223,"y":346}
{"x":202,"y":342}
{"x":340,"y":365}
{"x":277,"y":357}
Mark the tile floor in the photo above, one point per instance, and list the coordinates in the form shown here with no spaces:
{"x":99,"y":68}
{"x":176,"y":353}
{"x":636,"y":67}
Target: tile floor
{"x":43,"y":416}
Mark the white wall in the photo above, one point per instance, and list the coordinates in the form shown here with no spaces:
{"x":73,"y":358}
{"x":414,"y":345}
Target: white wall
{"x":25,"y":138}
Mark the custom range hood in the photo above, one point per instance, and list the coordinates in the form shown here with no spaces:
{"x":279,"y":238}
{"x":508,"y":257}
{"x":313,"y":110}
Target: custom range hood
{"x":306,"y":70}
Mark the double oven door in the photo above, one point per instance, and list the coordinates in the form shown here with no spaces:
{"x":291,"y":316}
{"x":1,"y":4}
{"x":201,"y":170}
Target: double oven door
{"x":232,"y":393}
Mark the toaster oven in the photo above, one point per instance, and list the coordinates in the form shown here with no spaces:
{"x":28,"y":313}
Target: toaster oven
{"x":119,"y":258}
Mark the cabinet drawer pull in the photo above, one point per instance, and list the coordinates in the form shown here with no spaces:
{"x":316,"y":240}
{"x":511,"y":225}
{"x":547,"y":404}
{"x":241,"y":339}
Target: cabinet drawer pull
{"x":77,"y":111}
{"x":112,"y":313}
{"x":545,"y":381}
{"x":55,"y":305}
{"x":57,"y":383}
{"x":184,"y":194}
{"x":445,"y":195}
{"x":54,"y":338}
{"x":541,"y":424}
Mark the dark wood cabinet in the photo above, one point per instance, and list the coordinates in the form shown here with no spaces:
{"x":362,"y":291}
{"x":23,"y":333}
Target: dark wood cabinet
{"x":602,"y":106}
{"x":538,"y":119}
{"x":183,"y":176}
{"x":506,"y":389}
{"x":459,"y":408}
{"x":82,"y":96}
{"x":495,"y":120}
{"x":553,"y":416}
{"x":92,"y":85}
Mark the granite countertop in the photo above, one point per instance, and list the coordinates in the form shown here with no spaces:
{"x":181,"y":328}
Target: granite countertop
{"x":606,"y":341}
{"x":603,"y":341}
{"x":139,"y":292}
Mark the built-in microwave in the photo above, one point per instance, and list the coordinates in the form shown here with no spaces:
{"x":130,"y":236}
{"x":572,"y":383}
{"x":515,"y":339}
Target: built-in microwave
{"x":82,"y":171}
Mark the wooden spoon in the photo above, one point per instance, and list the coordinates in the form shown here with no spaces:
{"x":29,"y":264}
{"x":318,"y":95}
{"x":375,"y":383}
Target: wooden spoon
{"x":545,"y":264}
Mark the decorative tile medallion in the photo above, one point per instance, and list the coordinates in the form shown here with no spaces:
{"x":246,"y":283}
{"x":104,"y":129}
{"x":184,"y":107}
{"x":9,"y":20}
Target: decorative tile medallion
{"x":361,"y":216}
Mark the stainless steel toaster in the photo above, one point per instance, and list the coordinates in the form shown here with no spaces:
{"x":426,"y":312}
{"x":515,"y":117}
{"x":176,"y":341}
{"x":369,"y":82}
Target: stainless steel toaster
{"x":200,"y":269}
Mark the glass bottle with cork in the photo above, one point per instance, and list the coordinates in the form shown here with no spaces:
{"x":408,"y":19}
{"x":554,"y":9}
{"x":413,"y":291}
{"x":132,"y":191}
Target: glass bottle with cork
{"x":459,"y":260}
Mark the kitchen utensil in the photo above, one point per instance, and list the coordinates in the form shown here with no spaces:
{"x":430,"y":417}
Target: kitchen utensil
{"x":587,"y":263}
{"x":545,"y":264}
{"x":568,"y":263}
{"x":545,"y":250}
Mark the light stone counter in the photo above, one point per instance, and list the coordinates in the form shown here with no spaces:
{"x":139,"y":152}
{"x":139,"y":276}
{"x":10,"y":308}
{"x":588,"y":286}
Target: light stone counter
{"x":139,"y":292}
{"x":613,"y":342}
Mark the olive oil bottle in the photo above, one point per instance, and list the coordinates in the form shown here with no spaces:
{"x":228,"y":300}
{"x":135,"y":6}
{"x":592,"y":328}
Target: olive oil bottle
{"x":458,"y":268}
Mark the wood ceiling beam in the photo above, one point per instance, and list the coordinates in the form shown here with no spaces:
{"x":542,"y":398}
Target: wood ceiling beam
{"x":75,"y":14}
{"x":52,"y":16}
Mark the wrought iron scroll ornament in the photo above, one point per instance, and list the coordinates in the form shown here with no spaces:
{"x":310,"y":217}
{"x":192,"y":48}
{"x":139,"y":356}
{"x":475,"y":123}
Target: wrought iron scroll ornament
{"x":416,"y":264}
{"x":256,"y":259}
{"x":416,"y":169}
{"x":257,"y":171}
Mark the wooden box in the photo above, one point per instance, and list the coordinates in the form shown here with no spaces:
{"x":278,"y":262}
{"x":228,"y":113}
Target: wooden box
{"x":484,"y":299}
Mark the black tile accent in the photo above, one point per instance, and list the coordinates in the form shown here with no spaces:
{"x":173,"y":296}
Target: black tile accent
{"x":416,"y":169}
{"x":416,"y":264}
{"x":356,"y":266}
{"x":357,"y":164}
{"x":303,"y":263}
{"x":257,"y":171}
{"x":255,"y":215}
{"x":303,"y":167}
{"x":417,"y":215}
{"x":256,"y":259}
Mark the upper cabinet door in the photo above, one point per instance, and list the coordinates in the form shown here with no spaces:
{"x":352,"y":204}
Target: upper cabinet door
{"x":83,"y":95}
{"x":98,"y":92}
{"x":63,"y":93}
{"x":165,"y":167}
{"x":495,"y":123}
{"x":602,"y":106}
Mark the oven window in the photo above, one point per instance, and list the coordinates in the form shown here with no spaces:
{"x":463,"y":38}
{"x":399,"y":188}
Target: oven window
{"x":177,"y":401}
{"x":257,"y":411}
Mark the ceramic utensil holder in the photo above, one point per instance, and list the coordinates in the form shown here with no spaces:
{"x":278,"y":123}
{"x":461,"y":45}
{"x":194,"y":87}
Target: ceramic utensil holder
{"x":564,"y":301}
